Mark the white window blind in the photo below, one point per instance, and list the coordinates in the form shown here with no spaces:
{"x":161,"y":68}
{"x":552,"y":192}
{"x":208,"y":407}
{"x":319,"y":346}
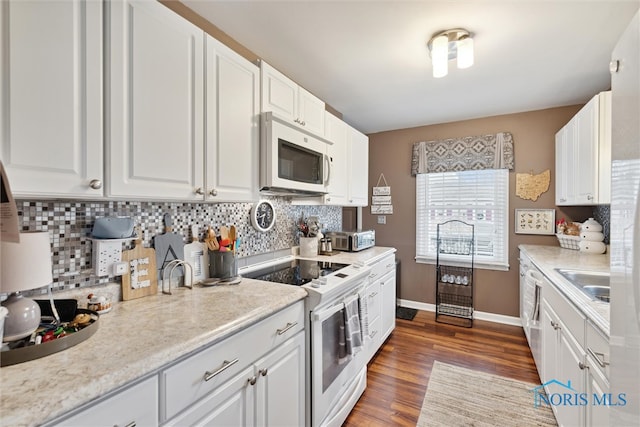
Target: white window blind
{"x":477,"y":197}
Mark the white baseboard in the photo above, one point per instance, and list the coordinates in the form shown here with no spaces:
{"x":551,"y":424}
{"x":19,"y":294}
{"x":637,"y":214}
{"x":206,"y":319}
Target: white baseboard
{"x":477,"y":315}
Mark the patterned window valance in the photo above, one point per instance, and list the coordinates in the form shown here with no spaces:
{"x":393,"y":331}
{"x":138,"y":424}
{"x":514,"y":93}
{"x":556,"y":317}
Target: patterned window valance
{"x":459,"y":154}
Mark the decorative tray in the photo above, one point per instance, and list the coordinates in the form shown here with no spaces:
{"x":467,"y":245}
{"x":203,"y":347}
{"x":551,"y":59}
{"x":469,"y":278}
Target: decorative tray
{"x":31,"y":352}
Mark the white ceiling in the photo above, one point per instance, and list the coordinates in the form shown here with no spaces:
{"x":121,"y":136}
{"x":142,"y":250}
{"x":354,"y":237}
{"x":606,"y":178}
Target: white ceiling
{"x":368,"y":59}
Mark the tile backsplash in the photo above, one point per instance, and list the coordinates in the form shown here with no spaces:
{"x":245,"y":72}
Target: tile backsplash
{"x":70,"y":222}
{"x":602,"y":214}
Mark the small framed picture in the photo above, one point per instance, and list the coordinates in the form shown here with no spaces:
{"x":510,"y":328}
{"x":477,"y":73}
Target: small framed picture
{"x":535,"y":221}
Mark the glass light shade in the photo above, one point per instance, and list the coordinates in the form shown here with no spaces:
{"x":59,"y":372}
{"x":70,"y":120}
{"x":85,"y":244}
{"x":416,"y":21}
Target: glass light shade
{"x":440,"y":56}
{"x":465,"y":52}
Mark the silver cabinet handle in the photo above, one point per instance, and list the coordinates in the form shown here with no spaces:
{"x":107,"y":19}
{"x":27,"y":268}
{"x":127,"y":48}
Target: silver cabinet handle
{"x":95,"y":184}
{"x":555,"y":325}
{"x":252,"y":380}
{"x":225,"y":365}
{"x":373,"y":294}
{"x":371,"y":276}
{"x":613,"y":66}
{"x":213,"y":192}
{"x":583,"y":366}
{"x":303,"y":123}
{"x":389,"y":265}
{"x":373,"y":334}
{"x":199,"y":191}
{"x":599,"y":357}
{"x":286,"y":328}
{"x":131,"y":424}
{"x":263,"y":372}
{"x":563,"y":200}
{"x":589,"y":197}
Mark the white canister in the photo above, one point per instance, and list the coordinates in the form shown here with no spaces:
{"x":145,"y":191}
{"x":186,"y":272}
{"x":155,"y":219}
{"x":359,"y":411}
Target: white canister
{"x":591,"y":225}
{"x":592,"y":236}
{"x":592,"y":247}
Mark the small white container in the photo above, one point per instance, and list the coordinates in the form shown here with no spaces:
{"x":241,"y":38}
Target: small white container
{"x":591,"y":225}
{"x":592,"y":247}
{"x":592,"y":236}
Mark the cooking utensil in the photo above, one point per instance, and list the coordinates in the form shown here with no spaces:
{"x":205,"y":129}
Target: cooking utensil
{"x":196,"y":254}
{"x":168,"y":246}
{"x":141,"y":277}
{"x":212,"y":240}
{"x":224,"y":232}
{"x":232,"y":237}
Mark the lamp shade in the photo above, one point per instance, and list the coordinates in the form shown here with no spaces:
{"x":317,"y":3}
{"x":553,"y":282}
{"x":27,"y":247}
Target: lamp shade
{"x":465,"y":52}
{"x":440,"y":56}
{"x":25,"y":265}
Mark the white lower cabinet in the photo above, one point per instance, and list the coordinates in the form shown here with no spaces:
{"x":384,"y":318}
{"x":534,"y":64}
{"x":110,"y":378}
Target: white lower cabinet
{"x":256,"y":377}
{"x":380,"y":296}
{"x":574,"y":364}
{"x":136,"y":405}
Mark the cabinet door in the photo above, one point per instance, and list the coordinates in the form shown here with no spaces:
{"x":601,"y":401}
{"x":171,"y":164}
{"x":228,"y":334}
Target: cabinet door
{"x":336,"y":132}
{"x":137,"y":405}
{"x":586,"y":153}
{"x":279,"y":93}
{"x":565,"y":159}
{"x":233,"y":107}
{"x":549,"y":343}
{"x":359,"y":168}
{"x":51,"y":91}
{"x":231,"y":404}
{"x":571,"y":368}
{"x":388,"y":307}
{"x":281,"y":385}
{"x":311,"y":112}
{"x":597,"y":385}
{"x":156,"y":132}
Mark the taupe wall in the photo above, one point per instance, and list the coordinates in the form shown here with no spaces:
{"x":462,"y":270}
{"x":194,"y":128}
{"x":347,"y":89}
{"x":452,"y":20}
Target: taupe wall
{"x":534,"y":144}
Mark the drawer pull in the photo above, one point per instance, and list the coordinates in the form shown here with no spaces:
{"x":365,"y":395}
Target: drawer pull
{"x":373,"y":294}
{"x":263,"y":372}
{"x":373,"y":334}
{"x":389,"y":265}
{"x":286,"y":328}
{"x":225,"y":365}
{"x":371,"y":276}
{"x":131,"y":424}
{"x":252,"y":380}
{"x":582,"y":366}
{"x":555,"y":325}
{"x":599,"y":357}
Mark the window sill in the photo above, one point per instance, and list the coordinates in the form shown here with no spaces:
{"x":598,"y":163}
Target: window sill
{"x":476,"y":264}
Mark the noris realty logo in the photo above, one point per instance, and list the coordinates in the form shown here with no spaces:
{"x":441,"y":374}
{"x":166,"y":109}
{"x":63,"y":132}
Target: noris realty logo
{"x":561,"y":394}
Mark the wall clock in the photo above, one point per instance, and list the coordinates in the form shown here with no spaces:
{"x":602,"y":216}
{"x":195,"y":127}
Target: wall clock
{"x":263,"y":215}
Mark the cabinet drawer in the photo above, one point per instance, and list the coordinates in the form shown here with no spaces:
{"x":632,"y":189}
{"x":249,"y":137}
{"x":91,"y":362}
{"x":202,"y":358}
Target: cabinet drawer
{"x":194,"y":377}
{"x":598,"y":348}
{"x":567,"y":312}
{"x":373,"y":297}
{"x":136,"y":405}
{"x":382,"y":267}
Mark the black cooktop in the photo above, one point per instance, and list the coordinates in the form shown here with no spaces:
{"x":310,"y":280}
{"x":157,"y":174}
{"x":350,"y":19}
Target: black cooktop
{"x":296,"y":272}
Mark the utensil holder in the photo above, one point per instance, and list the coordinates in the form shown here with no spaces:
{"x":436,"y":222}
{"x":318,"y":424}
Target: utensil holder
{"x":308,"y":246}
{"x":222,"y":265}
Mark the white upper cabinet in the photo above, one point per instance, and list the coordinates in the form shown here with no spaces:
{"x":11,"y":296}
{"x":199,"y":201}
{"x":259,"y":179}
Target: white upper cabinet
{"x":285,"y":98}
{"x":358,"y":168}
{"x":583,"y":155}
{"x":51,"y":90}
{"x":156,"y":103}
{"x":337,"y":131}
{"x":232,"y":125}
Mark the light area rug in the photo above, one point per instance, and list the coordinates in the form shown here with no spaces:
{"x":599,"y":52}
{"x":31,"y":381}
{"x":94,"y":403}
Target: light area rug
{"x":463,"y":397}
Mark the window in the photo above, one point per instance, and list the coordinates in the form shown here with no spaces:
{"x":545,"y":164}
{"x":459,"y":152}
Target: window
{"x":478,"y":197}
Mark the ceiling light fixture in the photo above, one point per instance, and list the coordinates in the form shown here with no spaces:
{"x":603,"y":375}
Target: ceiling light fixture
{"x":450,"y":44}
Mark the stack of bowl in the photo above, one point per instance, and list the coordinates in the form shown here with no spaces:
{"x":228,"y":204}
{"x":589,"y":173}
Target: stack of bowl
{"x":592,"y":237}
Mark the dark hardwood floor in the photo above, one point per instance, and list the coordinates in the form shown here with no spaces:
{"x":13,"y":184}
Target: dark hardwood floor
{"x":398,"y":375}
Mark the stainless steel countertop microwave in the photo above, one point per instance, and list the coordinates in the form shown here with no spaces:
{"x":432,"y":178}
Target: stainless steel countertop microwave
{"x":352,"y":241}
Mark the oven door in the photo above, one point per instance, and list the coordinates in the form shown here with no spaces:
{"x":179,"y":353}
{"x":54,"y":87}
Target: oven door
{"x":332,"y":371}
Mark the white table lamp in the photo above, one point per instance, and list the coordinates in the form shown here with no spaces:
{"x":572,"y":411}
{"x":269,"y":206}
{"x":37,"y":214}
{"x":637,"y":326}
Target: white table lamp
{"x":24,"y":266}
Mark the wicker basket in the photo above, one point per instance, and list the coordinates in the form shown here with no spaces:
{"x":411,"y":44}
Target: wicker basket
{"x":569,"y":242}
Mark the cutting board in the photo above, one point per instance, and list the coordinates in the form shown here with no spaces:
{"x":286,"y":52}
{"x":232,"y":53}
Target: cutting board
{"x":168,"y":246}
{"x":141,"y":278}
{"x":196,"y":254}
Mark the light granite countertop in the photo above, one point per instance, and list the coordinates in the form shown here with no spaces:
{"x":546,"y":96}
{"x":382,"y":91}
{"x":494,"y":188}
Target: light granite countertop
{"x":135,"y":338}
{"x":139,"y":337}
{"x":548,"y":258}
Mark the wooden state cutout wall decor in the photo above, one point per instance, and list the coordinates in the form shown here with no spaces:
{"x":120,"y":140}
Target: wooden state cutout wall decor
{"x":530,"y":186}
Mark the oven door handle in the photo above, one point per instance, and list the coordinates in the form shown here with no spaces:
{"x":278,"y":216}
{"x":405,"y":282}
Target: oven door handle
{"x":322,"y":315}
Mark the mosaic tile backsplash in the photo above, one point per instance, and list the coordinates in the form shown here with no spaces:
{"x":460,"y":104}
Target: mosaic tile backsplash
{"x":70,"y":223}
{"x":602,"y":214}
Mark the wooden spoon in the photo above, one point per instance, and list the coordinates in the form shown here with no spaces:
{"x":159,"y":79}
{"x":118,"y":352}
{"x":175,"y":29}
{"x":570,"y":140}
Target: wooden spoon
{"x":211,"y":240}
{"x":232,"y":237}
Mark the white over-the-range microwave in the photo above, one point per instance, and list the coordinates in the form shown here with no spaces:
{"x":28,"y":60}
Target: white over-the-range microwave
{"x":292,"y":160}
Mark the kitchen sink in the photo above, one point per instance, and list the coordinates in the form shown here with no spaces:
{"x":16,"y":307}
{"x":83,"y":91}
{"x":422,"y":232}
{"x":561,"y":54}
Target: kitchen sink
{"x":594,"y":284}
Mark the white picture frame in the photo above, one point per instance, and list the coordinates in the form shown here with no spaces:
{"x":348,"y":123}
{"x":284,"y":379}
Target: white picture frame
{"x":535,"y":221}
